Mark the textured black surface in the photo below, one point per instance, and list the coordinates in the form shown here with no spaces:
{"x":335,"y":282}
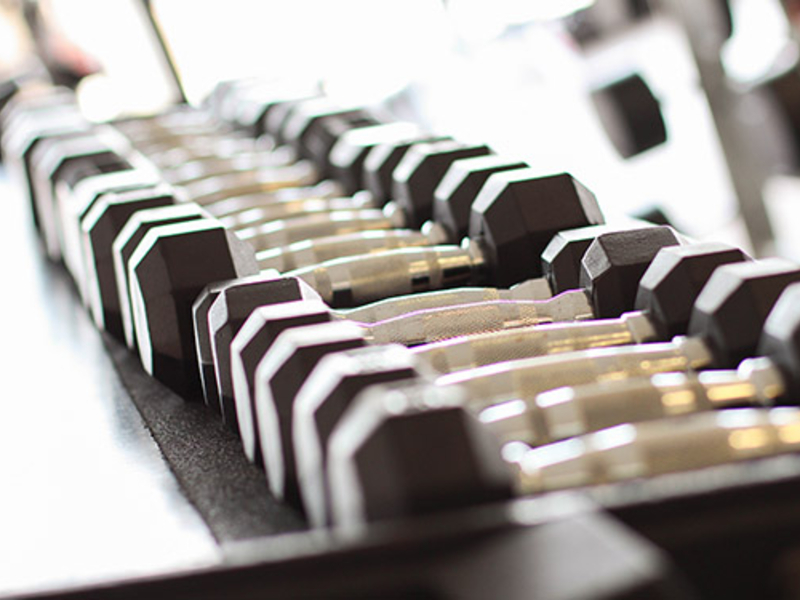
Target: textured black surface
{"x":230,"y":493}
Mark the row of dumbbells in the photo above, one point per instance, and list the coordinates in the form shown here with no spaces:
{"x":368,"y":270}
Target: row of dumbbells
{"x":288,"y":361}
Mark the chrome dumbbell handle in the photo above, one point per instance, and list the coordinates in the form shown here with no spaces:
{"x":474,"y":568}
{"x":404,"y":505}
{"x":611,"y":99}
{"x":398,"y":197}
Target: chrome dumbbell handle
{"x":520,"y":342}
{"x":367,"y":278}
{"x":533,"y":289}
{"x":577,"y":410}
{"x":314,"y":251}
{"x":527,"y":378}
{"x":659,"y":447}
{"x":486,"y":318}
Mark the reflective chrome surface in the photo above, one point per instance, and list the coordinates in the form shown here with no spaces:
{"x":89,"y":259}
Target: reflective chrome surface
{"x":86,"y":495}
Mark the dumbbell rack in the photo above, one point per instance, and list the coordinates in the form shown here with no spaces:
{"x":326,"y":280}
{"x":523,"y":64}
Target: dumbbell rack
{"x":721,"y":531}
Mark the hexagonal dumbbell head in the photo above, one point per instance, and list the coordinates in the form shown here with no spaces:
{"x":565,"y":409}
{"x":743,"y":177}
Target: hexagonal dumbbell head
{"x":411,"y":449}
{"x":673,"y":281}
{"x":419,"y":172}
{"x":314,"y":125}
{"x":169,"y":268}
{"x":21,"y":143}
{"x":324,"y":398}
{"x":382,"y":160}
{"x":614,"y":264}
{"x":350,"y":151}
{"x":561,"y":259}
{"x":249,"y":346}
{"x":731,"y":310}
{"x":99,"y":229}
{"x":279,"y":376}
{"x":67,"y":160}
{"x":323,"y":132}
{"x":127,"y":241}
{"x":269,"y":283}
{"x":460,"y":186}
{"x":518,"y":212}
{"x":780,"y":339}
{"x":228,"y":313}
{"x":74,"y":204}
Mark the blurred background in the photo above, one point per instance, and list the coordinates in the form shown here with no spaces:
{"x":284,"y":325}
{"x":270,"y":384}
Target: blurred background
{"x":690,"y":106}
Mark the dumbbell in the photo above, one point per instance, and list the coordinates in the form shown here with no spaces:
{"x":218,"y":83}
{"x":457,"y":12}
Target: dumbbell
{"x":275,"y":400}
{"x":370,"y":480}
{"x":726,"y":322}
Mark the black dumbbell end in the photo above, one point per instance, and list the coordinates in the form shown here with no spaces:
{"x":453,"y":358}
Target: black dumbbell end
{"x":561,"y":259}
{"x":172,"y":264}
{"x":673,"y":281}
{"x":517,"y":213}
{"x":278,"y":379}
{"x":411,"y":449}
{"x":614,"y":264}
{"x":460,"y":186}
{"x":780,"y":340}
{"x":325,"y":396}
{"x":228,"y":313}
{"x":421,"y":170}
{"x":250,"y":345}
{"x":731,"y":310}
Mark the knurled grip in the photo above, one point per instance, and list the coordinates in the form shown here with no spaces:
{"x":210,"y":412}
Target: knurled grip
{"x":541,"y":339}
{"x":427,"y":326}
{"x":525,"y":379}
{"x":534,"y":289}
